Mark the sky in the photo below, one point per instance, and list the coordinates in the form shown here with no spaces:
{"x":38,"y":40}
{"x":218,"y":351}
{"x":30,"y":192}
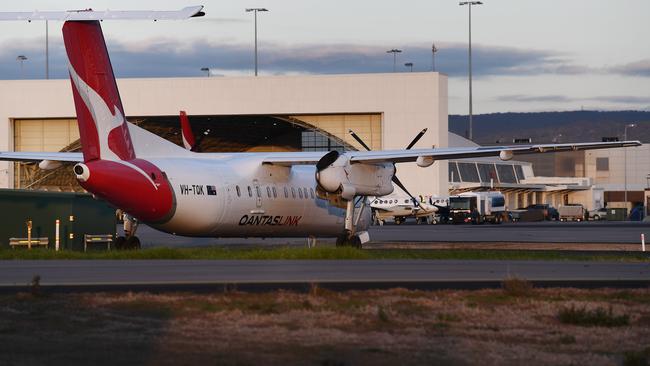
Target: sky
{"x":528,"y":56}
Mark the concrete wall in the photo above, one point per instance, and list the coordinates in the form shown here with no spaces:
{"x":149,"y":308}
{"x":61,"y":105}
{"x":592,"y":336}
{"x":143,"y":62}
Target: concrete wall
{"x":408,"y":102}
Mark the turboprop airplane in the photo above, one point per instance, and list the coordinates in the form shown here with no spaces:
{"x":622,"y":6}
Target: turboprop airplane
{"x":399,"y":207}
{"x":263,"y":194}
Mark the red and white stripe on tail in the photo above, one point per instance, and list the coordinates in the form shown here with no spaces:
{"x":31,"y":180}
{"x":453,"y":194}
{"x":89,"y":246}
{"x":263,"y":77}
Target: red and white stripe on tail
{"x":186,"y":132}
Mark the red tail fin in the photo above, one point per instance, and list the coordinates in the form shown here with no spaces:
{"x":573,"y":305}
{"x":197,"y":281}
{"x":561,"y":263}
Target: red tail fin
{"x":186,"y":131}
{"x":100,"y":115}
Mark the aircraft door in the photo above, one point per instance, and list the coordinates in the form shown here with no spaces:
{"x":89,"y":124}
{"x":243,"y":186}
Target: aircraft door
{"x":258,"y":194}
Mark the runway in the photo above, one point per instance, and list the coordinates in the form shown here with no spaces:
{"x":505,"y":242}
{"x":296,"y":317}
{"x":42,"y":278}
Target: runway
{"x":177,"y":274}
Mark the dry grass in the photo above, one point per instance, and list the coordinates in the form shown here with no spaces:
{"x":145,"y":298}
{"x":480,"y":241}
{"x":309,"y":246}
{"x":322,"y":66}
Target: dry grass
{"x":513,"y":325}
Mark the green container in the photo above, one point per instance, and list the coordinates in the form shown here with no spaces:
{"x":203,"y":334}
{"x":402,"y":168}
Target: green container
{"x":616,"y":214}
{"x":78,"y":214}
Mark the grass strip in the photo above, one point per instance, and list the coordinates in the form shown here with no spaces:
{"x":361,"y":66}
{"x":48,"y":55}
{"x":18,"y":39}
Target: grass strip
{"x":322,"y":253}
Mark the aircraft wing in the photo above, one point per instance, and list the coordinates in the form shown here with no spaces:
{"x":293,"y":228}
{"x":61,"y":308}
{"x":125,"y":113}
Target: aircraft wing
{"x":72,"y":157}
{"x":404,"y":156}
{"x":89,"y":14}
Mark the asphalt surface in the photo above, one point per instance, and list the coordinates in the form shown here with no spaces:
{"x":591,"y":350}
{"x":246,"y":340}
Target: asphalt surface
{"x":365,"y":273}
{"x":542,"y":232}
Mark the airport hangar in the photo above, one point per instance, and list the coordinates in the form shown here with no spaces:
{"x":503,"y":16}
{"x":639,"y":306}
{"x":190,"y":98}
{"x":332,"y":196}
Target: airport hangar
{"x":265,"y":113}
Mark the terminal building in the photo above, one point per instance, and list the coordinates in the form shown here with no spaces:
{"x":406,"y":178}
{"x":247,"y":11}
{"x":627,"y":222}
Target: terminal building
{"x":293,"y":113}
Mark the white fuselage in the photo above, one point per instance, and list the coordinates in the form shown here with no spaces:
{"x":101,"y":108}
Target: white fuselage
{"x":240,"y":197}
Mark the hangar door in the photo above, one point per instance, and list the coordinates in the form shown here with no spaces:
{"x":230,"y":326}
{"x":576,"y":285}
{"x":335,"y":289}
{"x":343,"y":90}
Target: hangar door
{"x":44,"y":135}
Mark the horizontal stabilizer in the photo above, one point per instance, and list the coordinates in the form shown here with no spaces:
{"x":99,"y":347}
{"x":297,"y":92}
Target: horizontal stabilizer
{"x":89,"y":14}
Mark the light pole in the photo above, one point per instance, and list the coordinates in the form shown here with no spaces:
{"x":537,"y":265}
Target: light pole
{"x":469,"y":5}
{"x":631,"y":125}
{"x":409,"y":65}
{"x":207,"y":70}
{"x":255,"y":10}
{"x":47,"y":51}
{"x":433,"y":57}
{"x":21,"y":59}
{"x":394,"y":51}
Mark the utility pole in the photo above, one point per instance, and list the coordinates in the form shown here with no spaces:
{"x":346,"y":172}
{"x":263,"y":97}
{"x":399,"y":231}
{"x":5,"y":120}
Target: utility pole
{"x":21,"y":59}
{"x":469,"y":5}
{"x":255,"y":10}
{"x":47,"y":51}
{"x":433,"y":57}
{"x":394,"y":51}
{"x":631,"y":125}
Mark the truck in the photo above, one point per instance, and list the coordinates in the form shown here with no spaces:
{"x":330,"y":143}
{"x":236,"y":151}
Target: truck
{"x":477,"y":207}
{"x":572,"y":212}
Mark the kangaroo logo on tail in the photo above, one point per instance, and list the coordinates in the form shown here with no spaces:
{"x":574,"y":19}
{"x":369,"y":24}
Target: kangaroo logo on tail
{"x":102,"y":126}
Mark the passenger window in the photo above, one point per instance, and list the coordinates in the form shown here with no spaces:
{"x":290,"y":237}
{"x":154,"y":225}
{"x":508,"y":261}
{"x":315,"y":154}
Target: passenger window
{"x":238,"y":191}
{"x":293,"y":192}
{"x":286,"y":193}
{"x":250,"y":193}
{"x":275,"y":193}
{"x":257,"y":190}
{"x":305,"y":190}
{"x":300,"y":192}
{"x":311,"y":192}
{"x":268,"y":191}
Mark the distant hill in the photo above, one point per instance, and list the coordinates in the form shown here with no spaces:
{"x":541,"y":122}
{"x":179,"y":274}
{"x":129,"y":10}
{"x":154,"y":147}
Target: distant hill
{"x":544,"y":127}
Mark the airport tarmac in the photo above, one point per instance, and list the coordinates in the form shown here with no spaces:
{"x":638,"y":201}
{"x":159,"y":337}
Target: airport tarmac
{"x":365,"y":273}
{"x":538,"y":232}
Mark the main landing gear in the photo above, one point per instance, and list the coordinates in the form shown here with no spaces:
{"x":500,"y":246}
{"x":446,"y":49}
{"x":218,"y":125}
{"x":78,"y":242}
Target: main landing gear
{"x":350,"y":237}
{"x":129,"y":240}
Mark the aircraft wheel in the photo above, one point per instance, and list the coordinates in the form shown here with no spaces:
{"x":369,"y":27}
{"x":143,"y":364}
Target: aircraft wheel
{"x":133,"y":243}
{"x":120,"y":243}
{"x":344,"y":241}
{"x":355,"y":242}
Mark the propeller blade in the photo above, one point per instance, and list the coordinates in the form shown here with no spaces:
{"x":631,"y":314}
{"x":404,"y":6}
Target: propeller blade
{"x":359,"y":140}
{"x":416,"y":139}
{"x":399,"y":184}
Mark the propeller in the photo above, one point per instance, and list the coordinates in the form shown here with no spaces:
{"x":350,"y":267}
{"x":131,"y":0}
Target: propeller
{"x":416,"y":139}
{"x":359,"y":140}
{"x":395,"y":179}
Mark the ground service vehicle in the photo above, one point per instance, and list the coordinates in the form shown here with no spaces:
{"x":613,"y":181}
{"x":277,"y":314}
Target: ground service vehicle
{"x":549,"y":212}
{"x":598,"y":214}
{"x":572,"y":212}
{"x":477,"y":207}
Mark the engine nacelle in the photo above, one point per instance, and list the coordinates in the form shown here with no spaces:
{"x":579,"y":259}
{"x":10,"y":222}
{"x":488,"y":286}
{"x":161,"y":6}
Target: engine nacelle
{"x":49,"y":164}
{"x":336,"y":174}
{"x":506,"y":155}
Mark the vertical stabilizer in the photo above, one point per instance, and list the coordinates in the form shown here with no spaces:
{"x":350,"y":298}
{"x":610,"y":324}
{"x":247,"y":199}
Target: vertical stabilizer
{"x":186,"y":132}
{"x":100,"y":115}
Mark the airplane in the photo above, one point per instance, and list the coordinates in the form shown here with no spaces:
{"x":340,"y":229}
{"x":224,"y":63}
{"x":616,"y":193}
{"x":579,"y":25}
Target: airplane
{"x":261,"y":194}
{"x":400,"y":206}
